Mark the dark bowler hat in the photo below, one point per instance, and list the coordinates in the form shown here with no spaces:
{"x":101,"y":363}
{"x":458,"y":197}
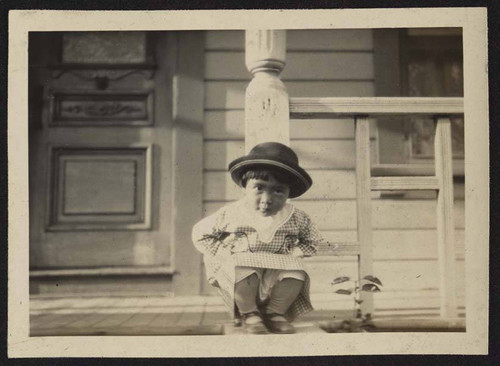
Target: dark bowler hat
{"x":273,"y":155}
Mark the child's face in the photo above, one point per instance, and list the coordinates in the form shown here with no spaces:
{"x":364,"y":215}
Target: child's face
{"x":267,"y":197}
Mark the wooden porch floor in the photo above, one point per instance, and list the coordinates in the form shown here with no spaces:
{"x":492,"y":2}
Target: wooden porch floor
{"x":193,"y":315}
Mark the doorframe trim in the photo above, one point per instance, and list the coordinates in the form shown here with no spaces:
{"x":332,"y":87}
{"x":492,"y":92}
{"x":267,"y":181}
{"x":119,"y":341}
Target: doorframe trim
{"x":187,"y":163}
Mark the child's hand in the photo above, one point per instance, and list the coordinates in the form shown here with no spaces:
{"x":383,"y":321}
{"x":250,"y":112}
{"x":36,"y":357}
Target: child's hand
{"x":297,"y":252}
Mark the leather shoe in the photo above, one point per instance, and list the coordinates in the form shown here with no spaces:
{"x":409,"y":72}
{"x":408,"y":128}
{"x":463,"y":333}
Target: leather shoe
{"x":253,"y":323}
{"x":277,"y":323}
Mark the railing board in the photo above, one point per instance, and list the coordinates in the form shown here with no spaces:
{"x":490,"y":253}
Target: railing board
{"x":373,"y":106}
{"x":338,"y":249}
{"x":364,"y":206}
{"x":446,"y":227}
{"x":403,"y":183}
{"x":384,"y":170}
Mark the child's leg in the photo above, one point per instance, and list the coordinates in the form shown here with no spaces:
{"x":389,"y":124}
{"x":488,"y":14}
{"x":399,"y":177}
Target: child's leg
{"x":245,"y":294}
{"x":283,"y":295}
{"x":245,"y":297}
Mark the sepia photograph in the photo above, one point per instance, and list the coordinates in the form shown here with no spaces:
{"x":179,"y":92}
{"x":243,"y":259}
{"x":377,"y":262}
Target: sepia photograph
{"x":249,"y":184}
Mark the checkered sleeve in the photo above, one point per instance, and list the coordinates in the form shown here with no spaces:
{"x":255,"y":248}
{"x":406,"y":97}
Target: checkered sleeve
{"x":309,"y":235}
{"x":208,"y":234}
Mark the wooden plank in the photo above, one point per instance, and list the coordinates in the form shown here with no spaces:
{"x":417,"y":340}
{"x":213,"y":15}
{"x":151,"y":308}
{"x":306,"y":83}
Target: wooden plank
{"x":413,"y":169}
{"x":374,"y":106}
{"x":397,"y":276}
{"x":401,"y":244}
{"x":95,"y":285}
{"x":231,"y":94}
{"x":230,"y":65}
{"x":402,"y":302}
{"x":446,"y":247}
{"x":411,"y":244}
{"x":417,"y":324}
{"x":327,"y":184}
{"x":364,"y":206}
{"x":338,"y":249}
{"x":318,"y":154}
{"x":387,"y":214}
{"x":403,"y":183}
{"x":267,"y":117}
{"x":420,"y":325}
{"x":130,"y":331}
{"x":221,"y":125}
{"x":187,"y":172}
{"x":104,"y":271}
{"x":311,"y":39}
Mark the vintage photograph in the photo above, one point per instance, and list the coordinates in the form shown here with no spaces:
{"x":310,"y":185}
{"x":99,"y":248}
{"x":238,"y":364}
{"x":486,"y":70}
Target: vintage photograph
{"x":234,"y":183}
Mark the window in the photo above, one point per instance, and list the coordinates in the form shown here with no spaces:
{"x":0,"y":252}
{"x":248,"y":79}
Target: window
{"x":418,"y":63}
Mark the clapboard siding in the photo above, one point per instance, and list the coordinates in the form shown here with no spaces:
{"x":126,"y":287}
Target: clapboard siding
{"x":231,"y":94}
{"x":223,"y":125}
{"x":297,"y":40}
{"x":327,"y":184}
{"x":397,"y":275}
{"x":387,"y":214}
{"x":318,"y":154}
{"x":300,"y":66}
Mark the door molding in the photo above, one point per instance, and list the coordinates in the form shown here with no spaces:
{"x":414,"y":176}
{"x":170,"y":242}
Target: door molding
{"x":188,"y":111}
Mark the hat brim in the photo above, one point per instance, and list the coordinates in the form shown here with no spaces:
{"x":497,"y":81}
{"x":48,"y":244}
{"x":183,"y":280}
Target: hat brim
{"x":299,"y":180}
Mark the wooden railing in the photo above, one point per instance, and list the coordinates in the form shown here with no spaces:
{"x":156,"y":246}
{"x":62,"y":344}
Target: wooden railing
{"x":398,"y":177}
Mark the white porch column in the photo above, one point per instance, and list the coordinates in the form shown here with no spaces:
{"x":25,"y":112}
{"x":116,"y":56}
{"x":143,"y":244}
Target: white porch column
{"x":266,"y":101}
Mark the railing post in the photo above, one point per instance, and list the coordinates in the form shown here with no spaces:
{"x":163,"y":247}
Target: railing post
{"x":445,"y":226}
{"x":266,"y":101}
{"x":364,"y":207}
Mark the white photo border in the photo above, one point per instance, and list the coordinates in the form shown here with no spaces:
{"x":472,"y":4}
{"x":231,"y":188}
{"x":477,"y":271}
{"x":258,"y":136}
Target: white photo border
{"x":473,"y":341}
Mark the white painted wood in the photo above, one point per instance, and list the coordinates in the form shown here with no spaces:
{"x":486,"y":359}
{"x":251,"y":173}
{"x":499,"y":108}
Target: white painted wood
{"x":327,"y":184}
{"x":338,"y":249}
{"x":396,"y":275}
{"x":410,"y":244}
{"x":319,"y":154}
{"x":266,"y":98}
{"x":229,"y":65}
{"x":364,"y":207}
{"x":413,"y":169}
{"x":446,"y":246}
{"x":187,"y":172}
{"x":230,"y":124}
{"x":231,"y":94}
{"x":105,"y":271}
{"x":387,"y":214}
{"x":315,"y":39}
{"x":374,"y":106}
{"x":403,"y":183}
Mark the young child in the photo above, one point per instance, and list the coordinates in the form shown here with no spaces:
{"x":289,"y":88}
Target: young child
{"x":253,"y":247}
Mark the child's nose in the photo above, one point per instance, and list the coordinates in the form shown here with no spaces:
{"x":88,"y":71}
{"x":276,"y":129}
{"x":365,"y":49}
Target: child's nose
{"x":265,"y":198}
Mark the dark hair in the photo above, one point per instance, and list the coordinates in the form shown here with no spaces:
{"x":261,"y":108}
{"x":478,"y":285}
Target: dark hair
{"x":264,"y":174}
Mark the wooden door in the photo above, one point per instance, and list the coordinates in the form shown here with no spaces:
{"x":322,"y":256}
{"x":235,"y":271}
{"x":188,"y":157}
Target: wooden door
{"x":102,"y":151}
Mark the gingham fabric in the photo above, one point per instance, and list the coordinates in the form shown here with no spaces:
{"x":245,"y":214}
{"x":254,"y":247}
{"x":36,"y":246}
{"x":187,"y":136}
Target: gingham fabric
{"x":227,"y":241}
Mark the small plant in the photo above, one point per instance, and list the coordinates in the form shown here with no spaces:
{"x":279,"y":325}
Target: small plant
{"x":366,"y":284}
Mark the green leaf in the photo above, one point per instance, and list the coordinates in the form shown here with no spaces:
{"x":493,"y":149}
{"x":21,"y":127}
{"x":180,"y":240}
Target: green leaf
{"x":373,"y":279}
{"x":340,"y":280}
{"x":343,"y":291}
{"x":370,"y":287}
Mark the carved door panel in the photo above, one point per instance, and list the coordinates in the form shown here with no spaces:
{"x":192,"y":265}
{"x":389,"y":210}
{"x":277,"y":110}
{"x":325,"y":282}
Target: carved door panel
{"x":100,"y":149}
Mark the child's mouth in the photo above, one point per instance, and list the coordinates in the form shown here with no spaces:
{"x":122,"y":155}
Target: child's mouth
{"x":265,"y":210}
